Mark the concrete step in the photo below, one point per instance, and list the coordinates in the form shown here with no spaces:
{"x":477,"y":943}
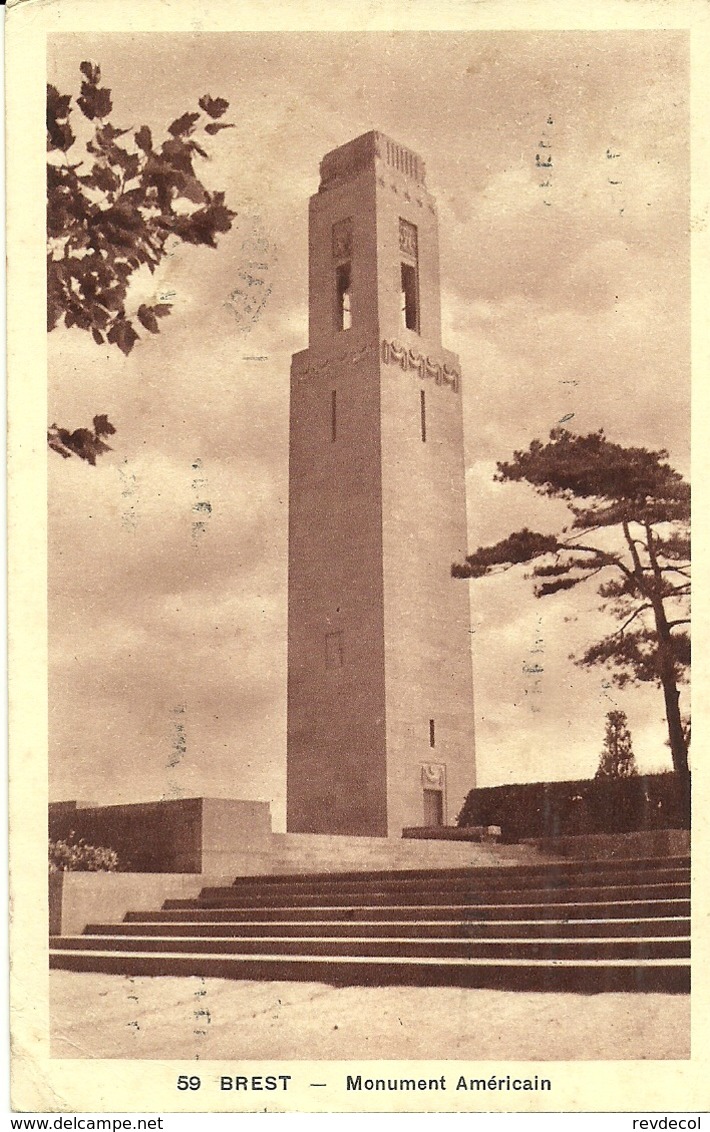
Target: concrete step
{"x":378,"y":947}
{"x":591,"y":975}
{"x":557,"y":910}
{"x":498,"y":874}
{"x":229,"y":898}
{"x":450,"y":885}
{"x":583,"y":926}
{"x":431,"y":929}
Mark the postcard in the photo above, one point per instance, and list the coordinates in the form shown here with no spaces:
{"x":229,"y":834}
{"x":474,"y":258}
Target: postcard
{"x":351,"y":360}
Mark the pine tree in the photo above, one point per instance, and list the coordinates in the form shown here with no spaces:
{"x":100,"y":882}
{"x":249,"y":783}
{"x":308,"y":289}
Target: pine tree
{"x":630,"y":532}
{"x":617,"y":757}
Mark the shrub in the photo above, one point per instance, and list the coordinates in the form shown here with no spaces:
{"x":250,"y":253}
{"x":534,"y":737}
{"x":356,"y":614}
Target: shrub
{"x":599,"y":805}
{"x":76,"y":856}
{"x":617,"y":757}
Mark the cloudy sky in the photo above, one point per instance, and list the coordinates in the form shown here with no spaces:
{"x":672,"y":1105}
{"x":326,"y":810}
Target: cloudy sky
{"x":564,"y":301}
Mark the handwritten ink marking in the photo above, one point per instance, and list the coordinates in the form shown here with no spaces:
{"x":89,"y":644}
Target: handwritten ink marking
{"x":606,"y":685}
{"x":248,"y":299}
{"x":129,"y":482}
{"x":544,"y":160}
{"x":201,"y":507}
{"x":179,"y":745}
{"x":535,"y":668}
{"x":133,"y":1025}
{"x":572,"y":382}
{"x":172,"y":791}
{"x":179,"y":738}
{"x":178,"y":751}
{"x":201,"y":1014}
{"x":611,"y":155}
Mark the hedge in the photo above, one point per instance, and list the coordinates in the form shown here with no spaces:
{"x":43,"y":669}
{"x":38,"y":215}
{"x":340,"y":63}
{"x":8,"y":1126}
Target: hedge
{"x":596,"y":805}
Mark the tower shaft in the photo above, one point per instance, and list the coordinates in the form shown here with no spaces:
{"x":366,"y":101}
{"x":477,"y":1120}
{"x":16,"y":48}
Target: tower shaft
{"x":380,"y":703}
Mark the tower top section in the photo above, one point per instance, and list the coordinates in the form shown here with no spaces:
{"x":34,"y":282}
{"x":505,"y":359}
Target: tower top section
{"x":347,"y":161}
{"x":373,"y":250}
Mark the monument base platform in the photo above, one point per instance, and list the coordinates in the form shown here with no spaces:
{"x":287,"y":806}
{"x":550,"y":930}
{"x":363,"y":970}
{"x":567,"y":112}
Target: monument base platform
{"x":221,"y":836}
{"x":369,"y":910}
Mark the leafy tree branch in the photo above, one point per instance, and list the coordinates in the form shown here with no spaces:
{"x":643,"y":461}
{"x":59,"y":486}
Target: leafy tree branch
{"x":114,"y":206}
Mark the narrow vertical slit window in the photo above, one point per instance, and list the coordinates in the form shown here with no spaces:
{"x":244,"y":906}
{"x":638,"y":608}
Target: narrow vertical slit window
{"x":333,"y":416}
{"x":410,"y":298}
{"x":422,"y":407}
{"x":343,"y":285}
{"x":334,"y":652}
{"x":432,"y":733}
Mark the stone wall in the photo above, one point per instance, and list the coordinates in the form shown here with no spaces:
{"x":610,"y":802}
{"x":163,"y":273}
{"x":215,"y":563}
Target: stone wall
{"x":78,"y":899}
{"x":618,"y":846}
{"x":186,"y":835}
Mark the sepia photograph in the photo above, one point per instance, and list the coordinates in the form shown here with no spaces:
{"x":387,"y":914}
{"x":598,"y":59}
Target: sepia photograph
{"x":368,"y":553}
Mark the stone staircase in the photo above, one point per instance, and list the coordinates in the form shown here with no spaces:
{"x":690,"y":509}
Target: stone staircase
{"x":573,"y":925}
{"x":299,"y":853}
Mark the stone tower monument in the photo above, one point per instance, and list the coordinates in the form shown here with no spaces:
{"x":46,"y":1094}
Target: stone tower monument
{"x":380,"y":700}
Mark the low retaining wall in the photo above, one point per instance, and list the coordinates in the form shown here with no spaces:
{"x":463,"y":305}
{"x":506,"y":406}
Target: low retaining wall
{"x":78,"y":899}
{"x":183,"y":835}
{"x":606,"y":846}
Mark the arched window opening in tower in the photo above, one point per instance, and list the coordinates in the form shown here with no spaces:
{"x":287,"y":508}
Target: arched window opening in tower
{"x":343,"y":281}
{"x":410,"y":298}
